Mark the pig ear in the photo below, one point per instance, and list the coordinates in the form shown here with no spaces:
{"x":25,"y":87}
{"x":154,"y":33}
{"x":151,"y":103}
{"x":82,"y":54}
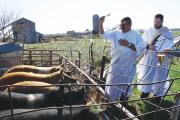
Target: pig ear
{"x":68,"y":72}
{"x":61,"y":65}
{"x":61,"y":94}
{"x":61,"y":91}
{"x":83,"y":90}
{"x":61,"y":72}
{"x":98,"y":97}
{"x":61,"y":76}
{"x":87,"y":94}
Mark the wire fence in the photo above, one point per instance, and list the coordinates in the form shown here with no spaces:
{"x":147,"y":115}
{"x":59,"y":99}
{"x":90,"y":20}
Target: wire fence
{"x":132,"y":108}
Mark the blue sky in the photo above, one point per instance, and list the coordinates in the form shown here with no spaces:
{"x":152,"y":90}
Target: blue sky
{"x":59,"y":16}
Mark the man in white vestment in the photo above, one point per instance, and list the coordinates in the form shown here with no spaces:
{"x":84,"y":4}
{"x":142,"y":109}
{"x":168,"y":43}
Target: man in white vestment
{"x":125,"y":45}
{"x":153,"y":67}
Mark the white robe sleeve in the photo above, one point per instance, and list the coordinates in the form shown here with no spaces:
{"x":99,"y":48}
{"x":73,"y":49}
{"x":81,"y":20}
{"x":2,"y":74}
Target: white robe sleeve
{"x":149,"y":35}
{"x":113,"y":36}
{"x":107,"y":35}
{"x":140,"y":45}
{"x":165,"y":41}
{"x":145,"y":37}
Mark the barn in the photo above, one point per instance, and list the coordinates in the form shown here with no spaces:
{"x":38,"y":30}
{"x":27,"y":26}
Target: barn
{"x":24,"y":31}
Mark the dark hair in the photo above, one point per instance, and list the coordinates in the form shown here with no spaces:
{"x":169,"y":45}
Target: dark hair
{"x":127,"y":19}
{"x":160,"y":16}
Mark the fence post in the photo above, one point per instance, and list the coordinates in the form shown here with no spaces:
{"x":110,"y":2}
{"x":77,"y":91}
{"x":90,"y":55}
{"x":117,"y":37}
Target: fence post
{"x":79,"y":56}
{"x":103,"y":62}
{"x":176,"y":115}
{"x":42,"y":61}
{"x":50,"y":53}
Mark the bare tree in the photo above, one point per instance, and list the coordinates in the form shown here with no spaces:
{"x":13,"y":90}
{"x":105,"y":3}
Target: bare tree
{"x":6,"y":20}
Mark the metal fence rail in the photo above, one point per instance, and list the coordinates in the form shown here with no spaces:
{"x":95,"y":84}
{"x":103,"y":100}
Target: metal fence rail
{"x":49,"y":57}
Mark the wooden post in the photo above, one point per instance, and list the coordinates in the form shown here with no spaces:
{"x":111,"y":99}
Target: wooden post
{"x":176,"y":115}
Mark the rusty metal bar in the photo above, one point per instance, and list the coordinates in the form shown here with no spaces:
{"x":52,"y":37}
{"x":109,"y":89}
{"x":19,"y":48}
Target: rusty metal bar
{"x":70,"y":101}
{"x":11,"y":104}
{"x":103,"y":62}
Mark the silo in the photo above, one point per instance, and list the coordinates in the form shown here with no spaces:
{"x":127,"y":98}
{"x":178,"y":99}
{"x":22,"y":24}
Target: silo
{"x":95,"y":24}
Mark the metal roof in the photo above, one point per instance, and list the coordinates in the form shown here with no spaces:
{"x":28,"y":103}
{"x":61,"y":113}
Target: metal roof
{"x":9,"y":47}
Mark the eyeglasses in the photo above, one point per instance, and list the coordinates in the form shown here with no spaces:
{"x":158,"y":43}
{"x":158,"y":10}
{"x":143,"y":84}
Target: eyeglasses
{"x":123,"y":25}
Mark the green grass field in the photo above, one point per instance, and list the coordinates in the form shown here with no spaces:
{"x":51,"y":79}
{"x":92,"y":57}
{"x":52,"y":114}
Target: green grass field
{"x":83,"y":45}
{"x":176,"y":33}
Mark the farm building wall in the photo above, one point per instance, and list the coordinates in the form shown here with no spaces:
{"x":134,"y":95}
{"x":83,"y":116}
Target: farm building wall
{"x":10,"y":59}
{"x":24,"y":31}
{"x":10,"y":55}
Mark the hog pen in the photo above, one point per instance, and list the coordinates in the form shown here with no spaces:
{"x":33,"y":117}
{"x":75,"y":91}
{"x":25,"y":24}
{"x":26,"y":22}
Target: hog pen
{"x":115,"y":110}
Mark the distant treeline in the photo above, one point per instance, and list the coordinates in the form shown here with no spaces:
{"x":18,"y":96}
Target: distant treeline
{"x":175,"y":29}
